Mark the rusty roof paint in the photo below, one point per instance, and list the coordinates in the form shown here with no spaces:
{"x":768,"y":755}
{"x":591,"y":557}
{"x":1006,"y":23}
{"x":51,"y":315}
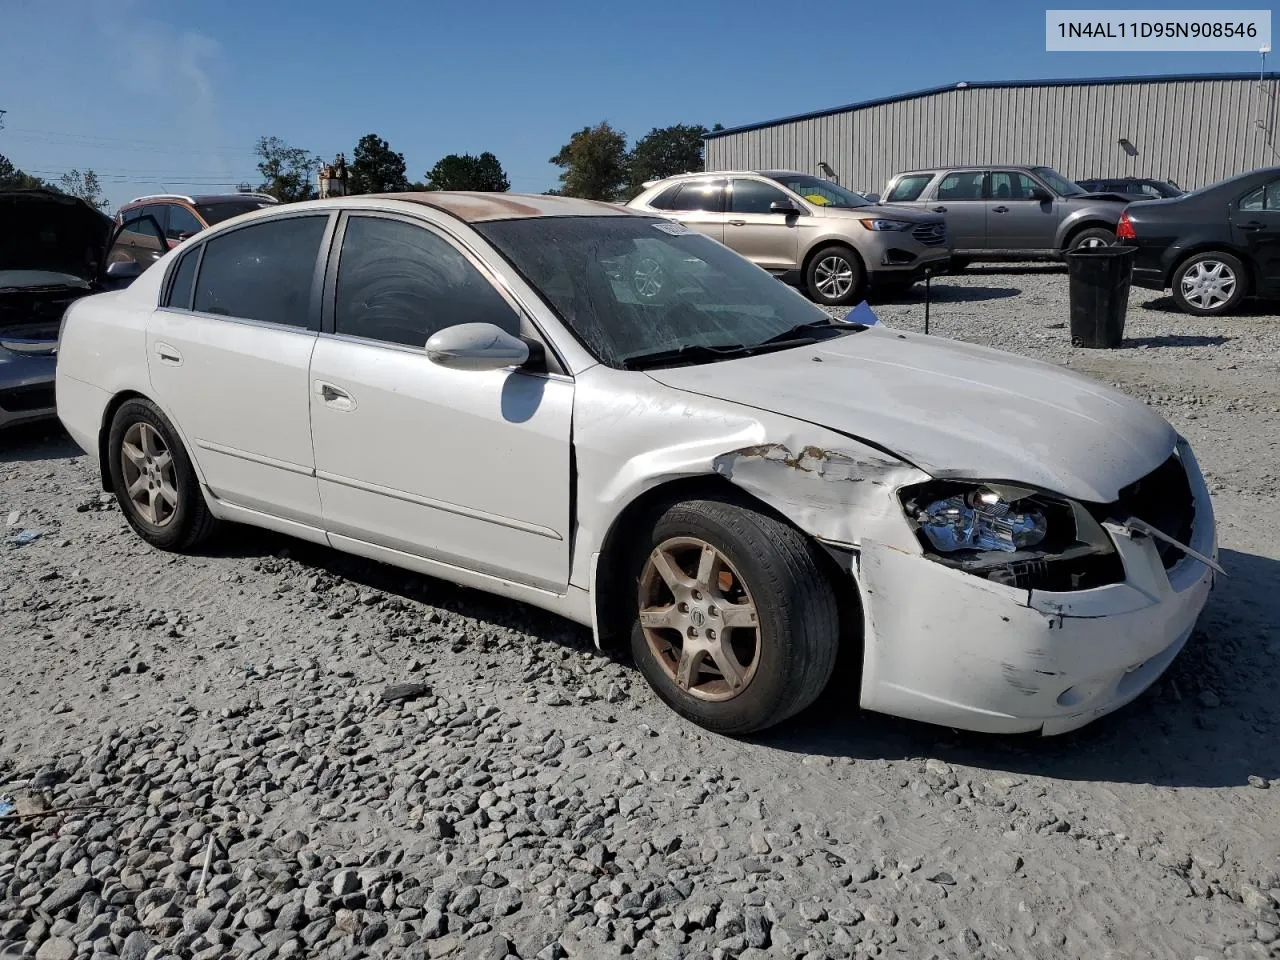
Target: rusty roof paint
{"x":475,"y":207}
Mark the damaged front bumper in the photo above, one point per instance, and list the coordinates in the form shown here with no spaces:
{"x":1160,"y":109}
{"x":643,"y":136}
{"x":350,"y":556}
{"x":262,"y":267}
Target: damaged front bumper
{"x":955,"y":649}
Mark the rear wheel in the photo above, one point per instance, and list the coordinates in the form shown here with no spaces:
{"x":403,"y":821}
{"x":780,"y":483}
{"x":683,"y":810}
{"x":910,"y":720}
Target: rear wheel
{"x":1091,"y":239}
{"x":835,"y":277}
{"x":153,"y":479}
{"x":1209,"y":284}
{"x":736,"y":626}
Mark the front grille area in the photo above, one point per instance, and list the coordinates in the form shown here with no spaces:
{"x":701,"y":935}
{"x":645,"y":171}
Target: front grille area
{"x":1163,"y":499}
{"x":38,"y":396}
{"x":931,"y":234}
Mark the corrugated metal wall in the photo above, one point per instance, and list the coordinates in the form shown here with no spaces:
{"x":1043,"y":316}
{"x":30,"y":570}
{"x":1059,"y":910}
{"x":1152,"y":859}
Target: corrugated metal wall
{"x":1192,"y":131}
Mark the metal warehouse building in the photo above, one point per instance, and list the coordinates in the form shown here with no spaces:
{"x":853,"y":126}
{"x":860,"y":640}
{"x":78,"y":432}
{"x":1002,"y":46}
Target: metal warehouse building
{"x":1194,"y":129}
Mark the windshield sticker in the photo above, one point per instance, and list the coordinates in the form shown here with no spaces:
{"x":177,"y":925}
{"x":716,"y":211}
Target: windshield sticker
{"x":674,"y":229}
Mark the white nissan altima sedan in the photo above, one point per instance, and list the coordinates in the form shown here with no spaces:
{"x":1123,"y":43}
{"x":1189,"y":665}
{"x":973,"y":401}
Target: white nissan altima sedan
{"x":606,"y":415}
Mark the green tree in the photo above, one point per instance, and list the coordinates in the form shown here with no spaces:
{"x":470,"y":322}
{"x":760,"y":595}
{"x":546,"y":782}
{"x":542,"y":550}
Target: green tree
{"x":12,"y":178}
{"x":286,"y":171}
{"x":594,"y":162}
{"x":665,"y":151}
{"x":83,"y":185}
{"x":465,"y":172}
{"x":376,"y":168}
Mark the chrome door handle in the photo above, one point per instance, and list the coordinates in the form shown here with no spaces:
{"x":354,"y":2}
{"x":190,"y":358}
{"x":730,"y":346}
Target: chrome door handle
{"x":939,"y":209}
{"x":333,"y":396}
{"x":737,"y":223}
{"x":167,"y":354}
{"x":1252,"y":225}
{"x":999,"y":209}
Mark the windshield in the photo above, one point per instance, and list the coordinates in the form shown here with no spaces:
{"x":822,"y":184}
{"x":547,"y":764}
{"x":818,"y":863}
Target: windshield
{"x":220,"y":210}
{"x":1060,"y":184}
{"x":632,"y":286}
{"x":822,"y":193}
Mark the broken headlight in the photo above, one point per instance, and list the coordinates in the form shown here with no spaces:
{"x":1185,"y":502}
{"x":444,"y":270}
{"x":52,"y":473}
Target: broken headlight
{"x":981,"y":519}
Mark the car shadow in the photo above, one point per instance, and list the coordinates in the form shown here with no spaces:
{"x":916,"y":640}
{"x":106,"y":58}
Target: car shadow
{"x":43,"y":440}
{"x":1246,"y":308}
{"x":996,"y":269}
{"x":942,"y":292}
{"x":1174,"y":340}
{"x":1211,"y":721}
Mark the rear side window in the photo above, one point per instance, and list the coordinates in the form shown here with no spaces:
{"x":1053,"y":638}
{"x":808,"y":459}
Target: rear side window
{"x":183,"y":280}
{"x":263,"y":272}
{"x":962,"y":185}
{"x":1264,"y":198}
{"x":666,"y":200}
{"x":400,"y":283}
{"x":701,"y":195}
{"x":908,"y":188}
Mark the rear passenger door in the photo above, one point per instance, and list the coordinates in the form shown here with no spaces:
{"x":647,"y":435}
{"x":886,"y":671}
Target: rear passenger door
{"x":959,"y":196}
{"x":1255,"y":228}
{"x":752,"y":229}
{"x":699,"y":205}
{"x":228,"y":352}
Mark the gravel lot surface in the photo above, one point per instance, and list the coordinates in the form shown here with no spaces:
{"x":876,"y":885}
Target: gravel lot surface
{"x":521,"y":795}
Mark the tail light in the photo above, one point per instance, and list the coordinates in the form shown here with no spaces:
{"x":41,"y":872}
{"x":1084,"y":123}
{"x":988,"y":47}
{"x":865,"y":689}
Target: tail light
{"x":1124,"y":229}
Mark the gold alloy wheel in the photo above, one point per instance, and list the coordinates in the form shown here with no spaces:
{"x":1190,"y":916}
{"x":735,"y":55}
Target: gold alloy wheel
{"x":149,"y":477}
{"x":699,"y":619}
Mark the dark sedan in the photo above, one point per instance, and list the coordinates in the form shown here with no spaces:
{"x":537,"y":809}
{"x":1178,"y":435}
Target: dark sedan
{"x":1140,"y":188}
{"x":1212,"y":247}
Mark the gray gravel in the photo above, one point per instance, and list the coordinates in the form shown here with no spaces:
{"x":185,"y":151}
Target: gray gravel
{"x":520,"y":795}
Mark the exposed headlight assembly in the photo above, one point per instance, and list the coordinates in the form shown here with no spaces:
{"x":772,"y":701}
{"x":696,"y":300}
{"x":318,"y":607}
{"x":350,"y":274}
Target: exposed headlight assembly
{"x":880,"y":223}
{"x":1011,"y":535}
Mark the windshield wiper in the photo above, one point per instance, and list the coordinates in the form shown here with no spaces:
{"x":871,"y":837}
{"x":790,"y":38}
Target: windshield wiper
{"x":689,"y":353}
{"x":798,"y":332}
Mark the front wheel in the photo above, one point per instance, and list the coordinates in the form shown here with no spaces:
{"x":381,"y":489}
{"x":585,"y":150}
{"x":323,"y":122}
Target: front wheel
{"x":835,"y":277}
{"x":1209,"y":284}
{"x":736,"y":625}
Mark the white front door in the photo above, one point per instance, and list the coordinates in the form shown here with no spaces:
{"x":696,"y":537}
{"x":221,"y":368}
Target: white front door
{"x":229,"y":354}
{"x":466,"y":468}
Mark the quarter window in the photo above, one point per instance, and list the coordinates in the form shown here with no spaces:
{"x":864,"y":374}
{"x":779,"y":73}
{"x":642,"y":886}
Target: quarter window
{"x":752,"y":196}
{"x":400,"y":283}
{"x":183,"y":278}
{"x":666,"y":200}
{"x":908,"y":188}
{"x":964,"y":185}
{"x":701,"y":195}
{"x":262,"y":272}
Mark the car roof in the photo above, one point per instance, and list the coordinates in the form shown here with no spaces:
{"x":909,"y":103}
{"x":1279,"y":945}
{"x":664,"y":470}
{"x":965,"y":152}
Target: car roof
{"x":201,"y":198}
{"x":953,"y":167}
{"x":478,"y":207}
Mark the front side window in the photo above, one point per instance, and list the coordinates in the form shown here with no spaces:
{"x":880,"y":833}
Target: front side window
{"x":628,"y":287}
{"x":908,"y":188}
{"x":1264,"y":198}
{"x":1060,"y":184}
{"x":182,"y":223}
{"x":700,"y":195}
{"x":822,"y":193}
{"x":399,"y":283}
{"x":752,"y":196}
{"x":962,"y":185}
{"x":262,"y":272}
{"x":1010,"y":185}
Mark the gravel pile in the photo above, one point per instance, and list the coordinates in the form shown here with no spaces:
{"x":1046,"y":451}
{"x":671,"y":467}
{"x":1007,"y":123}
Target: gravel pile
{"x":273,"y":750}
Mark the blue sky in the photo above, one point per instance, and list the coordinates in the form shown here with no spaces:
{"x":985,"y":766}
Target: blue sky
{"x":173,"y":95}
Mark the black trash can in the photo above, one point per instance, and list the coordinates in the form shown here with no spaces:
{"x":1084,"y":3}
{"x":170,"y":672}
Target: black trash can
{"x":1099,"y":294}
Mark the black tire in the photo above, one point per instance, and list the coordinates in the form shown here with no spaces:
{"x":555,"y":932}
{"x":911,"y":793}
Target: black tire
{"x":847,"y":264}
{"x":1194,"y":301}
{"x":796,"y":633}
{"x":188,"y":522}
{"x":958,"y":264}
{"x":1092,"y":237}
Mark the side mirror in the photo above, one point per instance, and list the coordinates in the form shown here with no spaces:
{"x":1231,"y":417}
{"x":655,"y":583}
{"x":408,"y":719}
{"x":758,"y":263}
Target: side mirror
{"x":476,"y":346}
{"x":1041,"y":195}
{"x":124,"y":270}
{"x":783,"y":206}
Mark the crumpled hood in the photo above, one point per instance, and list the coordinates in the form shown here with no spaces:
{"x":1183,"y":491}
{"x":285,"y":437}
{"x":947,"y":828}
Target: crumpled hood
{"x":952,"y":409}
{"x":42,"y":230}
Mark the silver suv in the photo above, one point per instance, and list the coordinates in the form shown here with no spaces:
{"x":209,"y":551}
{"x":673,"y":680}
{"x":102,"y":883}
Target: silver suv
{"x":999,"y":212}
{"x":806,"y":230}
